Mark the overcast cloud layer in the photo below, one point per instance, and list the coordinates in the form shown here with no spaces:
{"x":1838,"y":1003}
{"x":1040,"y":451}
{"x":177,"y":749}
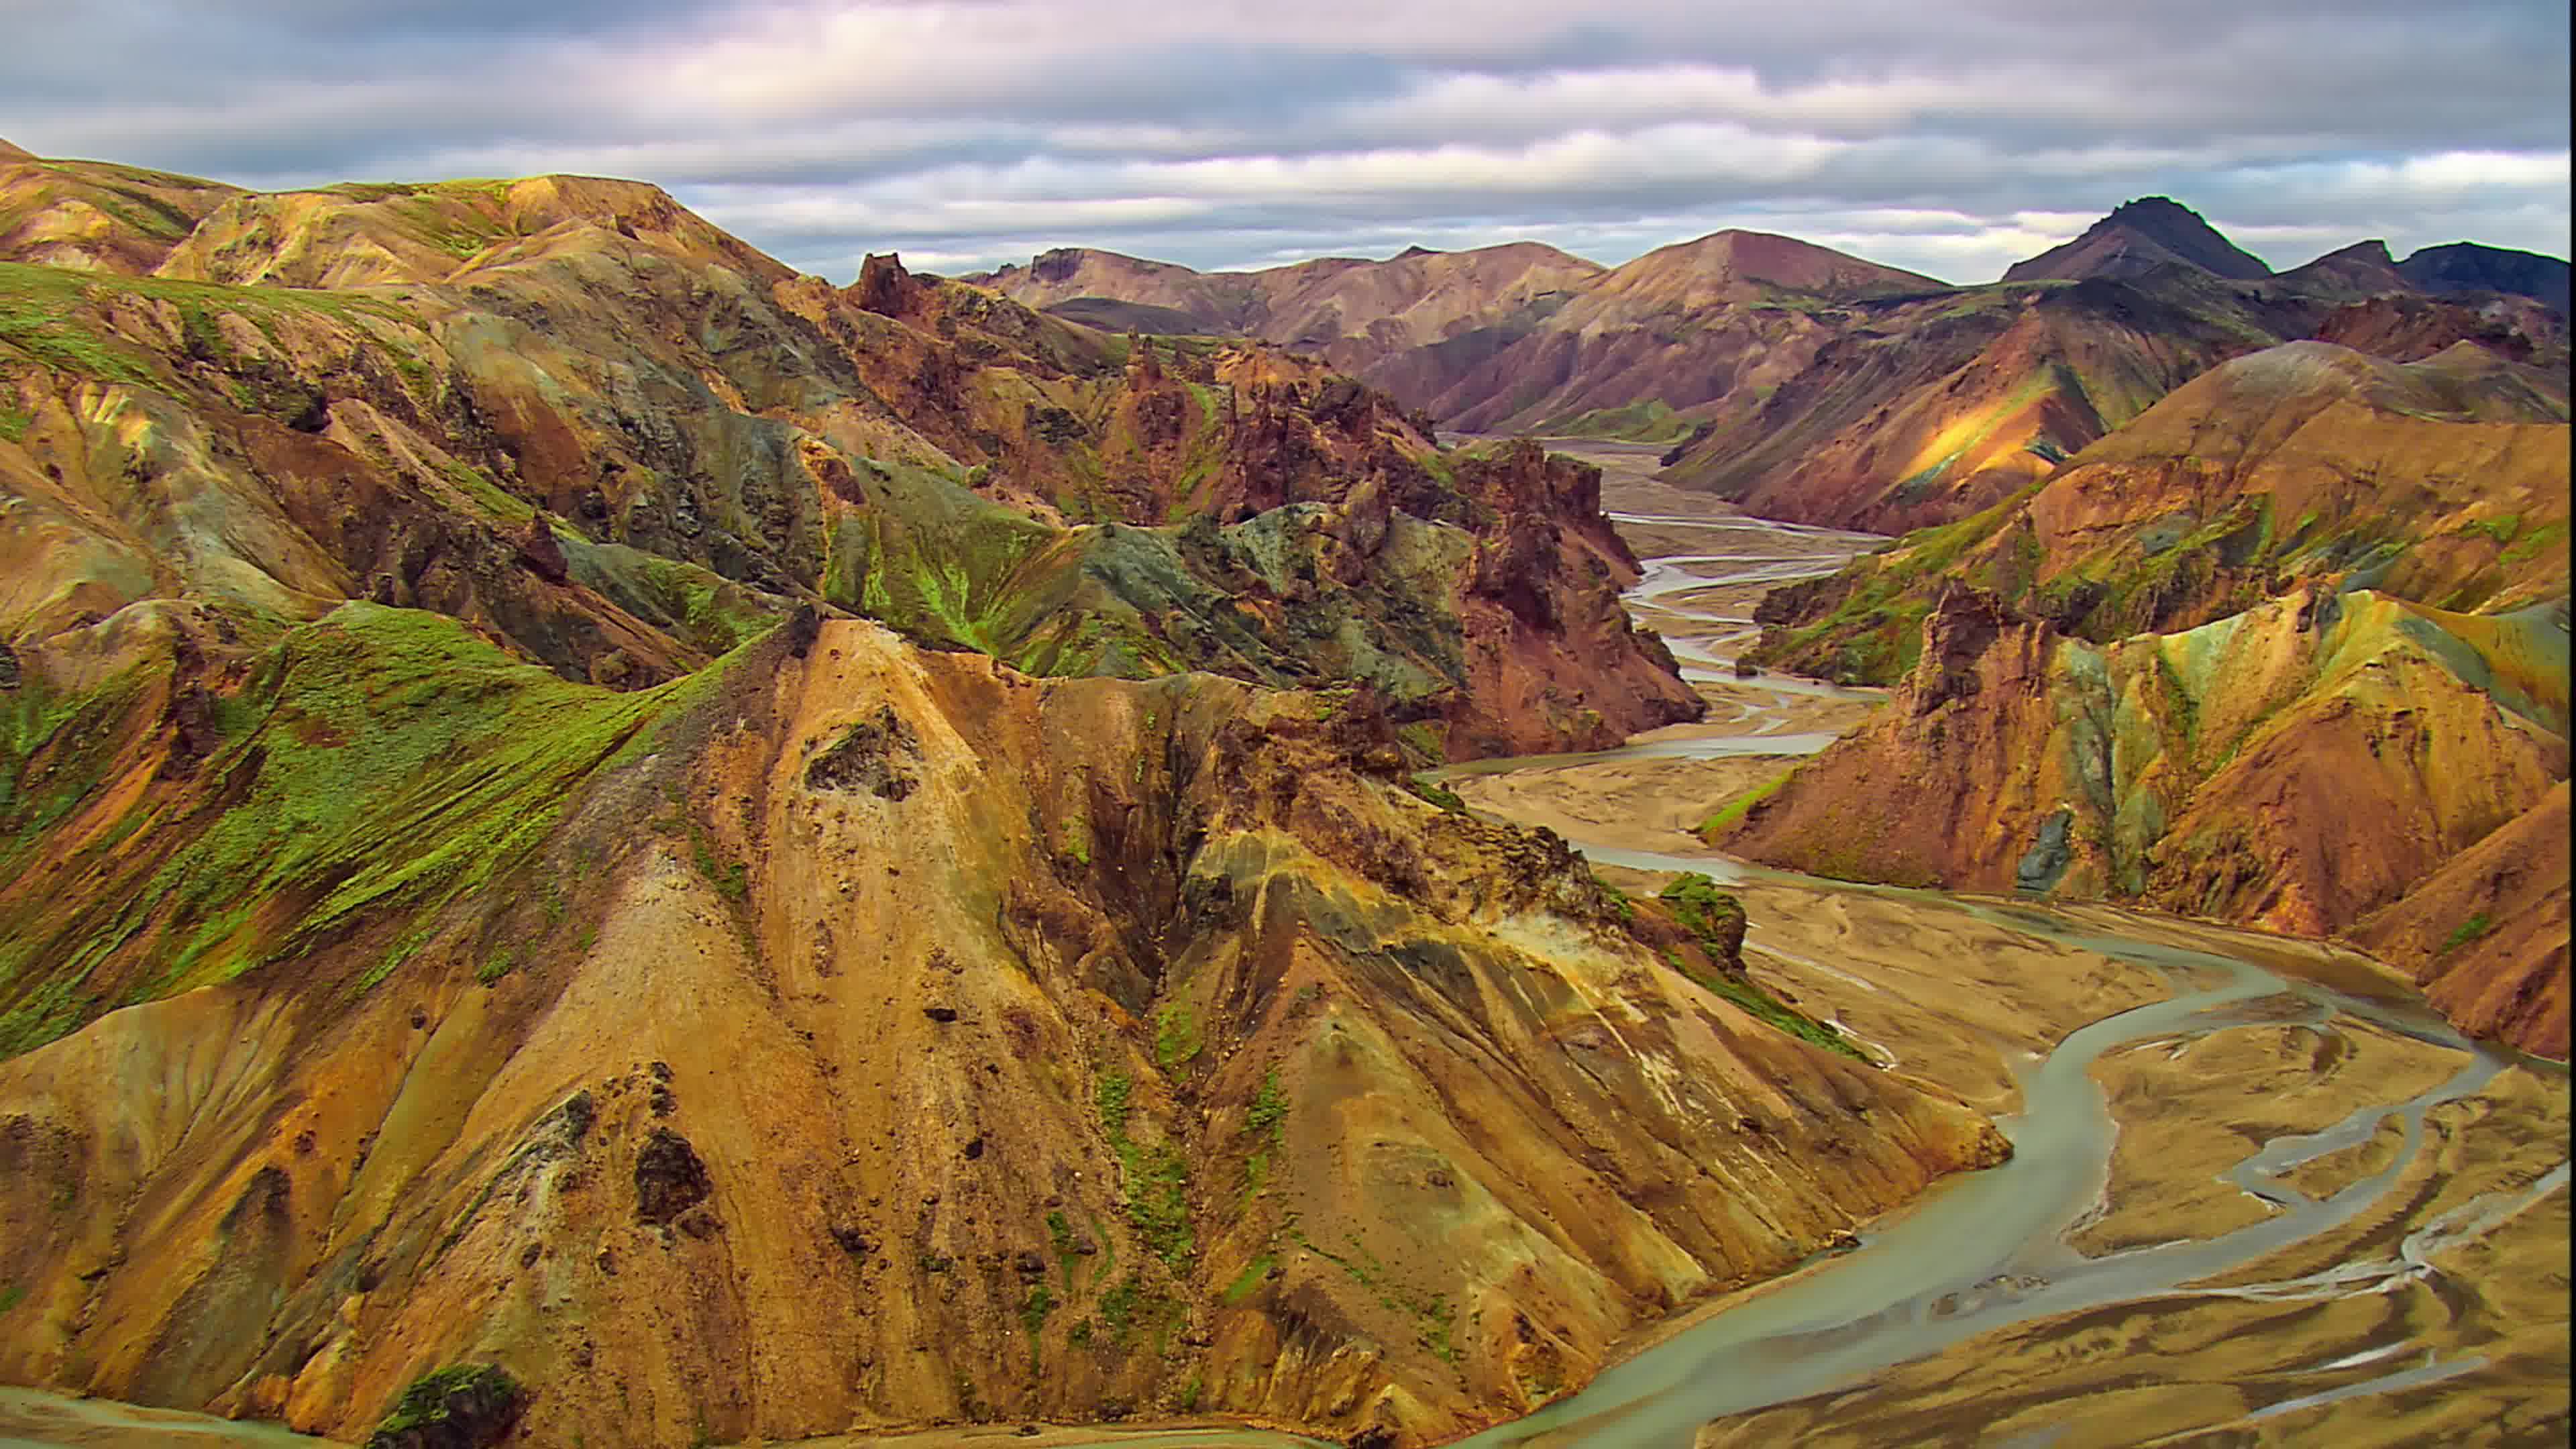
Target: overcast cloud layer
{"x":1951,"y":137}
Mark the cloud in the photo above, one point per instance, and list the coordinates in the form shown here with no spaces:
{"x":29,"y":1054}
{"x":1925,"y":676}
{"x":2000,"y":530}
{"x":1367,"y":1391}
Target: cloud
{"x":1951,"y":137}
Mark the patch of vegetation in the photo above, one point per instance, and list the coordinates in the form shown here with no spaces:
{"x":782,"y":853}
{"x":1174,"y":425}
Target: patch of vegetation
{"x":1438,"y":795}
{"x":1713,"y":915}
{"x":1435,"y":1317}
{"x":1067,"y":1250}
{"x":376,"y":761}
{"x":1176,"y":1037}
{"x":477,"y":1393}
{"x":1156,"y":1179}
{"x":1248,"y":1282}
{"x":728,"y":876}
{"x":1650,"y":420}
{"x":14,"y":423}
{"x":1113,"y":1098}
{"x":1269,"y":1111}
{"x":2469,"y":930}
{"x":1735,"y":809}
{"x":1033,"y":1315}
{"x":12,"y":1295}
{"x":499,"y":964}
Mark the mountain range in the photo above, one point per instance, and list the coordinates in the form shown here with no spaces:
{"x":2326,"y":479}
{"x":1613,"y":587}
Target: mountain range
{"x":1823,"y":388}
{"x":564,"y":785}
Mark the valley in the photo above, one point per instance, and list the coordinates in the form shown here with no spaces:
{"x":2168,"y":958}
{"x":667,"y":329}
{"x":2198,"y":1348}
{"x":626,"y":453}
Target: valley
{"x":602,"y":841}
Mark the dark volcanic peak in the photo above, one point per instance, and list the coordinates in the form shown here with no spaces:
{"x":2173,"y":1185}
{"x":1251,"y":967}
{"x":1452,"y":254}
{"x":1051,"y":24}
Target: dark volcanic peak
{"x":2138,"y":236}
{"x":2363,"y":268}
{"x":2472,"y":267}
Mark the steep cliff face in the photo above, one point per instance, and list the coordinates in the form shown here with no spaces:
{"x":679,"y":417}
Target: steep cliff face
{"x":847,"y":1034}
{"x":2443,"y":481}
{"x":2296,"y":767}
{"x":575,"y":414}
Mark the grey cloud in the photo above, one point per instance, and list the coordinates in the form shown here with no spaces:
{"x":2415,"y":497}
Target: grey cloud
{"x":1234,"y":131}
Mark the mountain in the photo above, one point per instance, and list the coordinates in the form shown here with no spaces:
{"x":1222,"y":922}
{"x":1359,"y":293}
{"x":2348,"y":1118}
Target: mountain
{"x":1347,"y":311}
{"x":570,"y":411}
{"x":2303,"y":766}
{"x":2470,"y":267}
{"x":1812,"y":386}
{"x":1915,"y":411}
{"x":564,"y":786}
{"x":2442,"y":481}
{"x":96,"y":216}
{"x":2290,"y":650}
{"x":2139,"y":236}
{"x":2363,"y":269}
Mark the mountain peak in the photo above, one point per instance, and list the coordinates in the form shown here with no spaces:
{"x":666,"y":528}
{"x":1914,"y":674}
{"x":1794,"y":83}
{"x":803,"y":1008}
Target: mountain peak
{"x":9,"y":152}
{"x":1416,"y":251}
{"x":2137,"y":236}
{"x":2474,"y":267}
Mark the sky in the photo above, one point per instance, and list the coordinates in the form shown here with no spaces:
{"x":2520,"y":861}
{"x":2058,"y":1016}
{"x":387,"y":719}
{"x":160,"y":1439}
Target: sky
{"x":1950,"y":137}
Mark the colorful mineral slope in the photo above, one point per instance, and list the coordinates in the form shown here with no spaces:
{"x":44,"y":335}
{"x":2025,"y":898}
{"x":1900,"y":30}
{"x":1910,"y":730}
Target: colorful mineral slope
{"x":847,"y":1033}
{"x":2297,"y":766}
{"x":575,"y":415}
{"x":2302,"y":466}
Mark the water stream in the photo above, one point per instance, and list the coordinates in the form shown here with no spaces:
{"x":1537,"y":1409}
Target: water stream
{"x":1988,"y":1249}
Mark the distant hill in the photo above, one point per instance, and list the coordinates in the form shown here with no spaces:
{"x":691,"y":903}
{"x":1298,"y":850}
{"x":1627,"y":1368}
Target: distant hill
{"x":2469,"y":266}
{"x":1348,"y":311}
{"x":1809,"y":384}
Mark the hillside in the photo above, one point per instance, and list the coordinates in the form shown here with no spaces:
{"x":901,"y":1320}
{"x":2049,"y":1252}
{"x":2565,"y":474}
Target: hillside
{"x":2306,"y":465}
{"x":563,"y":786}
{"x":571,"y":412}
{"x":2298,"y":766}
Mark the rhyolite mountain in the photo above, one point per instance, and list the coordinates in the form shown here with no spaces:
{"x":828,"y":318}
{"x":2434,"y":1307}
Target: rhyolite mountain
{"x":569,"y":411}
{"x":2139,"y":237}
{"x":1810,"y":385}
{"x":728,"y":849}
{"x":2291,"y":649}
